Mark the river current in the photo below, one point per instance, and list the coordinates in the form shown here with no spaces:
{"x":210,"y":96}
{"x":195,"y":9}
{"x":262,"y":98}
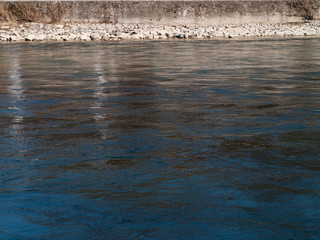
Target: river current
{"x":160,"y":140}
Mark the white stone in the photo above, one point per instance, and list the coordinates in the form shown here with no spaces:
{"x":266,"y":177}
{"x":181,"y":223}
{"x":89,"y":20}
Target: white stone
{"x":15,"y":38}
{"x":40,"y":37}
{"x":59,"y":26}
{"x":85,"y":37}
{"x":95,"y":36}
{"x":30,"y":37}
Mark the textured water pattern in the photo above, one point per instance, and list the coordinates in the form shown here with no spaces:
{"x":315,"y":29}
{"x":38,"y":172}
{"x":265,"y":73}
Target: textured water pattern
{"x":160,"y":140}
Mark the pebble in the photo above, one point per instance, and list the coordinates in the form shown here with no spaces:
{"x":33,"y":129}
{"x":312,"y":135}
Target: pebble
{"x":96,"y":32}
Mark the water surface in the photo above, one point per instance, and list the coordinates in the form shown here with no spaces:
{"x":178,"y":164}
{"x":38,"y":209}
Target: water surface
{"x":160,"y":140}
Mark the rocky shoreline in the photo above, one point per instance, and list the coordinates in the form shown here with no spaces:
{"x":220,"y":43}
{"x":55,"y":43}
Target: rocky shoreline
{"x":106,"y":32}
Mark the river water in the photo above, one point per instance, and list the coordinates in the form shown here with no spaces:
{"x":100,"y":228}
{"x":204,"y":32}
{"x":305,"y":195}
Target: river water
{"x":160,"y":140}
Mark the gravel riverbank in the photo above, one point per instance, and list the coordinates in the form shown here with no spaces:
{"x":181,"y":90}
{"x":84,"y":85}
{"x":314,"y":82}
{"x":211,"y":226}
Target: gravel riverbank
{"x":88,"y":32}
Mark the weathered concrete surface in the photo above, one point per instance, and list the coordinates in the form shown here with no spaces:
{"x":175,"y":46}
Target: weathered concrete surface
{"x":201,"y":13}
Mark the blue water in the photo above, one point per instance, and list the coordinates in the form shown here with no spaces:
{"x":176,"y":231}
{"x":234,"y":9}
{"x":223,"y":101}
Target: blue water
{"x":160,"y":140}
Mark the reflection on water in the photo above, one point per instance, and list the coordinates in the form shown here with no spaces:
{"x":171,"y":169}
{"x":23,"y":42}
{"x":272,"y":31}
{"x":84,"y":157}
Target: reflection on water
{"x":98,"y":114}
{"x":15,"y":93}
{"x":160,"y":140}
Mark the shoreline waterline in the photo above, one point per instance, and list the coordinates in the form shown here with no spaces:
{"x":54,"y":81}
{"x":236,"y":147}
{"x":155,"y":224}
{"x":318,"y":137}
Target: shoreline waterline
{"x":109,"y":32}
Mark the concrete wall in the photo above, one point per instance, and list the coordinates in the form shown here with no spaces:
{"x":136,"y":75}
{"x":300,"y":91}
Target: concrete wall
{"x":202,"y":13}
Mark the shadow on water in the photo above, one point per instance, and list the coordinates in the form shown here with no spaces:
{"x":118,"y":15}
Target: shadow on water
{"x":160,"y":140}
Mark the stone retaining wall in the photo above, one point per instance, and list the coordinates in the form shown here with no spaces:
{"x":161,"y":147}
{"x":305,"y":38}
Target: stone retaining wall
{"x":201,"y":13}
